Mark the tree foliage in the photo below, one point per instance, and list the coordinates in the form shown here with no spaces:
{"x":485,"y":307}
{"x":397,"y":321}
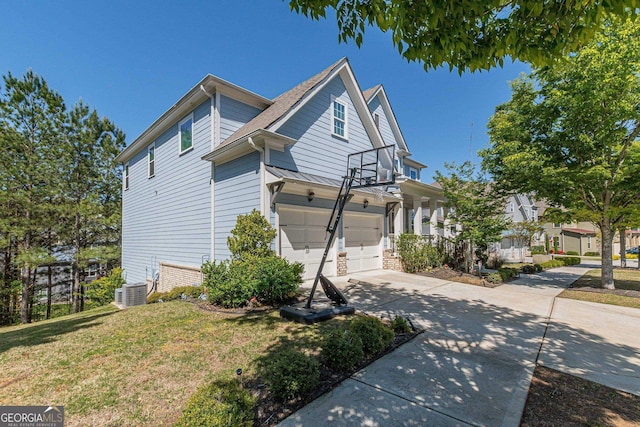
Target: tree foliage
{"x":570,"y":132}
{"x":59,"y":184}
{"x":472,"y":35}
{"x":475,"y":205}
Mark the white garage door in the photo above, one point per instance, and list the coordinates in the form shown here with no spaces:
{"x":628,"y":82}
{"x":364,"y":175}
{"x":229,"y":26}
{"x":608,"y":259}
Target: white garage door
{"x":303,"y":239}
{"x":362,"y":236}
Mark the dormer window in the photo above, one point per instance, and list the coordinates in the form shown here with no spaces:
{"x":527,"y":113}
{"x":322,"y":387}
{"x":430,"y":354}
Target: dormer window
{"x":413,"y":173}
{"x":339,"y":119}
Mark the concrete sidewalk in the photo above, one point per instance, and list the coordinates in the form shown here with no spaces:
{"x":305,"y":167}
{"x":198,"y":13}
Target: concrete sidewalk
{"x":473,"y":364}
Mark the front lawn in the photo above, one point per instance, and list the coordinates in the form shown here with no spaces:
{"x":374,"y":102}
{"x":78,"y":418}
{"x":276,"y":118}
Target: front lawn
{"x":626,"y":294}
{"x":133,"y":367}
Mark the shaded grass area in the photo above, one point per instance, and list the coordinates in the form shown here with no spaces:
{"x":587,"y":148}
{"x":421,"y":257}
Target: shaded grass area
{"x":558,"y":399}
{"x":137,"y":366}
{"x":626,"y":294}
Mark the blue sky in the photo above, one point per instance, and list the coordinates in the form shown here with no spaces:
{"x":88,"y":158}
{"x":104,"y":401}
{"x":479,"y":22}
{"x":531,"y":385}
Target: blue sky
{"x":132,"y":60}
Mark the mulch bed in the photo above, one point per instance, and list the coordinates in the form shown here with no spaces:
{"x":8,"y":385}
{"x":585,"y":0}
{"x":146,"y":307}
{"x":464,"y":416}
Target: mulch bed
{"x":458,"y":276}
{"x":271,"y":411}
{"x":558,"y":399}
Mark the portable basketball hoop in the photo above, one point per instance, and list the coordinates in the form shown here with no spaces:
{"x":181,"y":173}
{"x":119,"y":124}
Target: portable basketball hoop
{"x":370,"y":168}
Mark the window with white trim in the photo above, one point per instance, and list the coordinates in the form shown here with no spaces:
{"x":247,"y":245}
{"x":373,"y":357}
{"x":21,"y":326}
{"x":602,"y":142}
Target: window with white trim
{"x":413,"y":173}
{"x":125,"y":176}
{"x":511,"y":207}
{"x":185,"y":134}
{"x":588,"y":242}
{"x":339,"y":119}
{"x":556,"y":225}
{"x":151,"y":157}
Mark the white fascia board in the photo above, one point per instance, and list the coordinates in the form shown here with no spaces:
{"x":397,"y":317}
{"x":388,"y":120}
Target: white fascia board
{"x":241,"y":146}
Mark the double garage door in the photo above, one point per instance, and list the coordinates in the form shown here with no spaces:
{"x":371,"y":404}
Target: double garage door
{"x":303,"y":239}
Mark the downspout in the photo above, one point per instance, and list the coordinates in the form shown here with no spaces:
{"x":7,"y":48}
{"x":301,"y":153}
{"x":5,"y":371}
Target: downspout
{"x":262,"y":176}
{"x":211,"y":181}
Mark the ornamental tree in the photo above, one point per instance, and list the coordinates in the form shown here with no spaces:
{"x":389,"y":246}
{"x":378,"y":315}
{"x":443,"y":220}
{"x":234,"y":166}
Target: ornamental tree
{"x":472,"y":35}
{"x":570,"y":132}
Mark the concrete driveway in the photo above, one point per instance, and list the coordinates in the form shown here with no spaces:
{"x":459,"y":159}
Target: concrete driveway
{"x":473,"y":364}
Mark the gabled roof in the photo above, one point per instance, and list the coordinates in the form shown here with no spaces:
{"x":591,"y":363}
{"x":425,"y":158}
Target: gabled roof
{"x":196,"y":95}
{"x":282,"y":104}
{"x":581,"y":231}
{"x":378,"y":91}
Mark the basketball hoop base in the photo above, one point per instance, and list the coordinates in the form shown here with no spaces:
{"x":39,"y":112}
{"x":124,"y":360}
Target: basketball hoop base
{"x":318,"y":312}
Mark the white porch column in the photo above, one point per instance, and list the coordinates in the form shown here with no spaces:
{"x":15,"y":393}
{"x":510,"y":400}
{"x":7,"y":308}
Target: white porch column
{"x":398,"y":221}
{"x":433,"y":217}
{"x":417,"y":216}
{"x":447,"y":224}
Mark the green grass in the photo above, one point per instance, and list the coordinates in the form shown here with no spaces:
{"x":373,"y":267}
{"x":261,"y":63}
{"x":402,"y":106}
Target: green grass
{"x":624,"y":279}
{"x":137,"y":366}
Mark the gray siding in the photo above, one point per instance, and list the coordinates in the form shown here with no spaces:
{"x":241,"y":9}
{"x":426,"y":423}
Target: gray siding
{"x":385,"y":129}
{"x":234,"y":114}
{"x":237,"y":191}
{"x":317,"y":151}
{"x":168,"y":217}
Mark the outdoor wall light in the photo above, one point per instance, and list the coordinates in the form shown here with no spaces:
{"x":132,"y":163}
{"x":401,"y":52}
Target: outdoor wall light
{"x":310,"y":196}
{"x":366,"y":203}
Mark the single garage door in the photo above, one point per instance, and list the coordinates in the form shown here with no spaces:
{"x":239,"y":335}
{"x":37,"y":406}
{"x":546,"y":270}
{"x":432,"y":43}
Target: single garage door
{"x":362,"y":236}
{"x":303,"y":239}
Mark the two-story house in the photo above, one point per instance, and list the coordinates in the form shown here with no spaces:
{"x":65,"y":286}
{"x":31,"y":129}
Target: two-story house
{"x":222,"y":150}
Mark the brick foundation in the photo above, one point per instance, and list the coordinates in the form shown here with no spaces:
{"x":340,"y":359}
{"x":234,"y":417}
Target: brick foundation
{"x":174,"y":275}
{"x":342,"y":264}
{"x":390,"y":261}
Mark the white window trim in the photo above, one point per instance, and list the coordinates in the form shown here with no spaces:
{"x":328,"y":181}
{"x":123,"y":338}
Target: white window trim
{"x":334,"y":118}
{"x":149,"y":161}
{"x":125,"y":176}
{"x":180,"y":123}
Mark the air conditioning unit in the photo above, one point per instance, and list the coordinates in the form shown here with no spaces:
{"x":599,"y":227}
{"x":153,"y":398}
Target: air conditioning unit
{"x":134,"y":294}
{"x":119,"y":296}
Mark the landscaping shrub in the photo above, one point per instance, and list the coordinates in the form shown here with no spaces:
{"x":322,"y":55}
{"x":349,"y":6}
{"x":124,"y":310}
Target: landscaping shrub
{"x":551,"y":264}
{"x":538,"y":268}
{"x":507,"y":273}
{"x":102,"y":290}
{"x":400,"y":325}
{"x":278,"y":279}
{"x":290,"y":374}
{"x":592,"y":254}
{"x":572,"y":253}
{"x":222,"y":403}
{"x":627,"y":256}
{"x":416,"y":254}
{"x":375,"y":336}
{"x":570,"y":260}
{"x":176,"y":293}
{"x":254,"y":270}
{"x":528,"y":269}
{"x":342,"y":350}
{"x":494,"y":278}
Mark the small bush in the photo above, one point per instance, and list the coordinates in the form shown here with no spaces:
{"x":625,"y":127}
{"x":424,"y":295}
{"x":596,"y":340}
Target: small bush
{"x":223,"y":403}
{"x":551,"y":264}
{"x":572,"y":253}
{"x":592,"y":254}
{"x":375,"y":336}
{"x":538,"y":250}
{"x":278,"y":279}
{"x":538,"y":268}
{"x":103,"y":290}
{"x":342,"y":350}
{"x":251,"y":236}
{"x":400,"y":325}
{"x":507,"y":273}
{"x":290,"y":374}
{"x":570,"y":260}
{"x":494,"y":278}
{"x":176,"y":293}
{"x":528,"y":269}
{"x":416,"y":254}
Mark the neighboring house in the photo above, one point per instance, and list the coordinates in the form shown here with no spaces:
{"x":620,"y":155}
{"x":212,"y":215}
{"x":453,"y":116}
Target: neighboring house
{"x":222,"y":151}
{"x":520,"y":208}
{"x":580,"y":237}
